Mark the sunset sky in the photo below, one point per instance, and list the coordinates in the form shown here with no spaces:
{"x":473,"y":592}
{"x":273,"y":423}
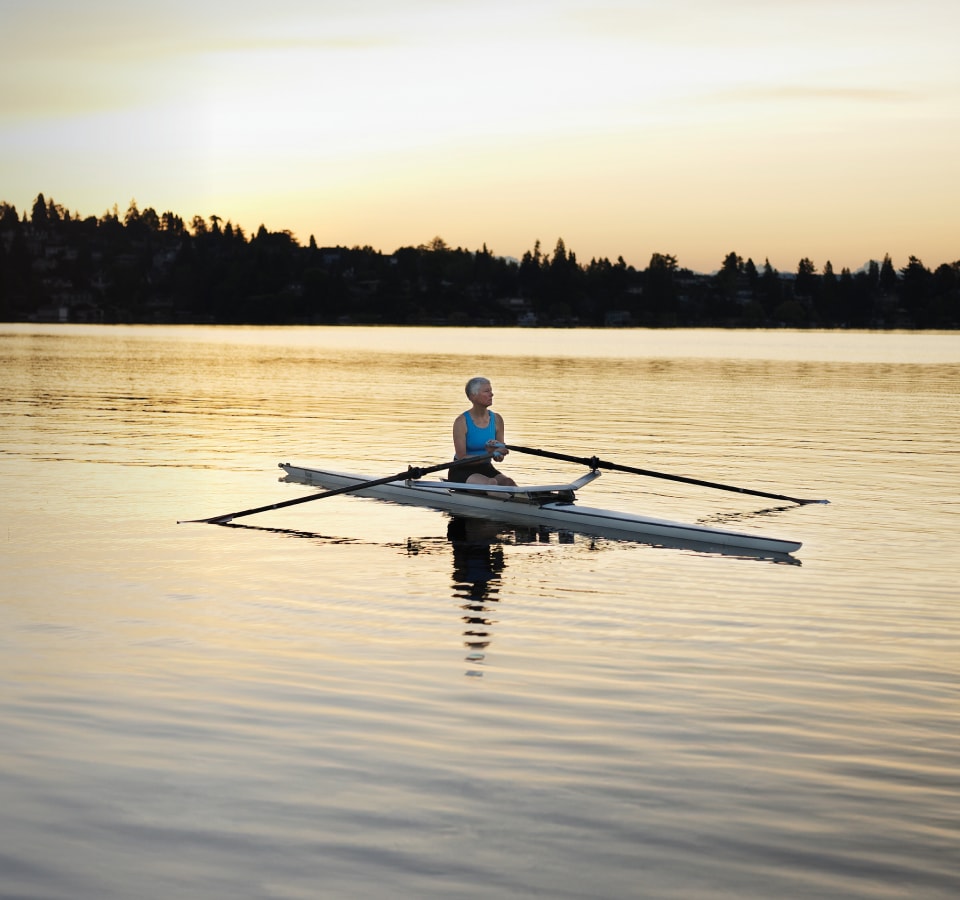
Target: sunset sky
{"x":776,"y":129}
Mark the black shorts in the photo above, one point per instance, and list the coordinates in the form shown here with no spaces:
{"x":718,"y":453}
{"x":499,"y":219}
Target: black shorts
{"x":461,"y":473}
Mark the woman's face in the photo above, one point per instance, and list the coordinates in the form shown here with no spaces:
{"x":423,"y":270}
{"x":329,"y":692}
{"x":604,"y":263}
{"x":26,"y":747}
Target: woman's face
{"x":484,"y":395}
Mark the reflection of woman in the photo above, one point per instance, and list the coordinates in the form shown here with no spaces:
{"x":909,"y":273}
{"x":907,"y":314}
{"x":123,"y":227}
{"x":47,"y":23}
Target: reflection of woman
{"x":477,"y":557}
{"x":477,"y":564}
{"x":477,"y":431}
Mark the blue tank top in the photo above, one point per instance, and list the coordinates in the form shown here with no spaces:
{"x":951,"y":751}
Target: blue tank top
{"x":477,"y":437}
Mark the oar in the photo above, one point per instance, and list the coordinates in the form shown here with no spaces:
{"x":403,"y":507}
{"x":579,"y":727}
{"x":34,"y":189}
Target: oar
{"x":595,"y":463}
{"x":410,"y":473}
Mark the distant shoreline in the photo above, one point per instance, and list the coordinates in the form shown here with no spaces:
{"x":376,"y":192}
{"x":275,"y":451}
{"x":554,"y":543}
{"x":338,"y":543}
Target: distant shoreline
{"x":151,"y":269}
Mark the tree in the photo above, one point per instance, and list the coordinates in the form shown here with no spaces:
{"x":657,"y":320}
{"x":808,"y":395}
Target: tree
{"x":150,"y":220}
{"x":945,"y":305}
{"x":132,"y":216}
{"x":771,"y":288}
{"x":562,"y":283}
{"x":559,"y":261}
{"x":171,"y":224}
{"x":531,"y":270}
{"x":806,"y":283}
{"x":946,"y":277}
{"x":56,"y":213}
{"x":888,"y":276}
{"x":827,"y":298}
{"x":914,"y":272}
{"x":8,"y":216}
{"x":39,"y":215}
{"x":660,"y":297}
{"x":914,"y":291}
{"x":729,"y":274}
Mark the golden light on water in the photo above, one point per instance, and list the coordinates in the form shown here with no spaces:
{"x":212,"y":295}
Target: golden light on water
{"x":349,"y":694}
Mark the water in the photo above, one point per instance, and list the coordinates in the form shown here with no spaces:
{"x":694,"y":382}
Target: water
{"x":340,"y":699}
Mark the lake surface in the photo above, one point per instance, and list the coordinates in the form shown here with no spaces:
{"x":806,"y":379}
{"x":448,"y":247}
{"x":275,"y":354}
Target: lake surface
{"x":352,"y":699}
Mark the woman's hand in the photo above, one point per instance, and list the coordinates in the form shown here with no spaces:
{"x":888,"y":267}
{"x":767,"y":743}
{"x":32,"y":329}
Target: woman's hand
{"x":497,"y":450}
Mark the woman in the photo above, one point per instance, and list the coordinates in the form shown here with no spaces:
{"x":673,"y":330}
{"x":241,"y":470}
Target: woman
{"x":479,"y":430}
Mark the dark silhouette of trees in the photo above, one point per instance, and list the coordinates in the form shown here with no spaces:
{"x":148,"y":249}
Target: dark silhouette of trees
{"x":146,"y":266}
{"x":39,"y":218}
{"x":770,"y":290}
{"x":660,"y":291}
{"x":888,"y":275}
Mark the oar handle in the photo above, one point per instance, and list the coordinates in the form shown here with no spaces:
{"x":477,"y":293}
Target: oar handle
{"x":594,"y":463}
{"x":411,"y":473}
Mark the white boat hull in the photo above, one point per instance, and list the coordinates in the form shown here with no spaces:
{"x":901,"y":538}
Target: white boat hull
{"x":557,"y":513}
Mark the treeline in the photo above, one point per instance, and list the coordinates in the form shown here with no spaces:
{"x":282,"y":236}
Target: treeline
{"x":143,"y":267}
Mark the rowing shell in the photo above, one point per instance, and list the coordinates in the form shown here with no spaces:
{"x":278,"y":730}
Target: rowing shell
{"x":548,"y":504}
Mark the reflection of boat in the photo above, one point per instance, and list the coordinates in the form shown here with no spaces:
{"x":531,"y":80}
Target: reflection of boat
{"x":549,"y":504}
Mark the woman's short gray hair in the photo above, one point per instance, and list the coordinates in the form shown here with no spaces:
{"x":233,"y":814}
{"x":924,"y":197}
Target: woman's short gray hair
{"x":474,"y":385}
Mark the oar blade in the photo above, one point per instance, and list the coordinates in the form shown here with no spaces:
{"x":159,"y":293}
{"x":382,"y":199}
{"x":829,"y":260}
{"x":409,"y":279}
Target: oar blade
{"x":213,"y":520}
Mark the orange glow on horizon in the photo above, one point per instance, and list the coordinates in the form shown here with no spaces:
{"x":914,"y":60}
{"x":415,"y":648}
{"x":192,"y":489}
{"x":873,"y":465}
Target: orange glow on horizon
{"x":762,"y":130}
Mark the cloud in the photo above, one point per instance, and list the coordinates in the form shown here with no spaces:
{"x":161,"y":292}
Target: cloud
{"x":816,"y":93}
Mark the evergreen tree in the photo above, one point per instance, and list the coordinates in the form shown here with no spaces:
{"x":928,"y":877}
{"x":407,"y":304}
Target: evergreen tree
{"x":729,"y":274}
{"x":806,"y":283}
{"x":914,"y":292}
{"x":888,"y":276}
{"x":770,"y":289}
{"x":660,"y":294}
{"x":39,"y":215}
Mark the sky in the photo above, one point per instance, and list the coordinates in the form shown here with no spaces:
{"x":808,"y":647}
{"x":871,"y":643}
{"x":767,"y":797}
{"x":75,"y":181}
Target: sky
{"x":774,"y":129}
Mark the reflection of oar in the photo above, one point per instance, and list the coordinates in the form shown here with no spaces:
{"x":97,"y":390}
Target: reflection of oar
{"x":409,"y":473}
{"x":595,"y":463}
